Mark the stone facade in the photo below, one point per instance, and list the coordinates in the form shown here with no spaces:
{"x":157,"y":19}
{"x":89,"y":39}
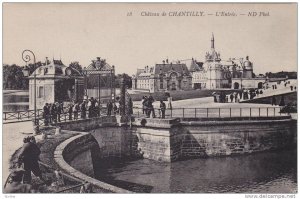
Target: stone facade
{"x":163,"y":77}
{"x":170,"y":140}
{"x":55,"y":82}
{"x":214,"y":138}
{"x":217,"y":73}
{"x":196,"y":140}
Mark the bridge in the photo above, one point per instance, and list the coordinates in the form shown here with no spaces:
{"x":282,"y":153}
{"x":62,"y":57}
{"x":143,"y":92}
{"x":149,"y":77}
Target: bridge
{"x":212,"y":112}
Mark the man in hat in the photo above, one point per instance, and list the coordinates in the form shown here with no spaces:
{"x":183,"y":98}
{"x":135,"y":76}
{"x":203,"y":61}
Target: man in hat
{"x":29,"y":156}
{"x":15,"y":185}
{"x":46,"y":114}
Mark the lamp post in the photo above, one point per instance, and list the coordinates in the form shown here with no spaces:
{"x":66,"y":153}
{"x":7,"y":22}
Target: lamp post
{"x":27,"y":55}
{"x":210,"y":77}
{"x":241,"y":72}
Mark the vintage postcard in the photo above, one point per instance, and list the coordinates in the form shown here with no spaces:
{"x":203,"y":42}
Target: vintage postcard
{"x":150,"y":98}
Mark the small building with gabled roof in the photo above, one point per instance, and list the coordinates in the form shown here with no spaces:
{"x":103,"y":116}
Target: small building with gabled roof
{"x":55,"y":82}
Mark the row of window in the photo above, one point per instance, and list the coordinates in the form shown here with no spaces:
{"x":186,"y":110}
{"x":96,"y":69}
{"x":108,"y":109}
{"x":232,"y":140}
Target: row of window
{"x":142,"y":81}
{"x":200,"y":76}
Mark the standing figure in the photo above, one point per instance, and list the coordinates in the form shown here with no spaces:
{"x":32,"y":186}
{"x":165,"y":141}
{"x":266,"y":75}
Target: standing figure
{"x":46,"y":113}
{"x":144,"y":104}
{"x":273,"y":100}
{"x":215,"y":98}
{"x":70,"y":111}
{"x":83,"y":110}
{"x":29,"y":156}
{"x":59,"y":110}
{"x":97,"y":109}
{"x":282,"y":103}
{"x":109,"y":108}
{"x":49,"y":116}
{"x":115,"y":109}
{"x":151,"y":107}
{"x":53,"y":113}
{"x":130,"y":107}
{"x":162,"y":109}
{"x":257,"y":92}
{"x":93,"y":102}
{"x":170,"y":102}
{"x":231,"y":97}
{"x":76,"y":109}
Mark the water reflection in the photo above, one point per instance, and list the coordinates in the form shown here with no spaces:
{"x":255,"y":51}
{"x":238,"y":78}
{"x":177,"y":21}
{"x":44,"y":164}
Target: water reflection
{"x":268,"y":172}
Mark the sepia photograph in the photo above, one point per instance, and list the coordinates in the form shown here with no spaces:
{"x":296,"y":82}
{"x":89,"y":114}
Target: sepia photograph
{"x":152,"y":98}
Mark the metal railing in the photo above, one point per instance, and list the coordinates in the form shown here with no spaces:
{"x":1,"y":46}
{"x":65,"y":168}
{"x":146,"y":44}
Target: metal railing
{"x":211,"y":112}
{"x":66,"y":116}
{"x":21,"y":115}
{"x":29,"y":115}
{"x":139,"y":112}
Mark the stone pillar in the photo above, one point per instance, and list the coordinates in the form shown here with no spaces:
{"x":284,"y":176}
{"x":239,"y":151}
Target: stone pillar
{"x":123,"y":117}
{"x":122,"y":95}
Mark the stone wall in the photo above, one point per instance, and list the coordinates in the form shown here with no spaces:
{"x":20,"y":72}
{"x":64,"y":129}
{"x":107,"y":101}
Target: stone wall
{"x":198,"y":139}
{"x":173,"y":139}
{"x":190,"y":141}
{"x":80,"y":153}
{"x":76,"y":156}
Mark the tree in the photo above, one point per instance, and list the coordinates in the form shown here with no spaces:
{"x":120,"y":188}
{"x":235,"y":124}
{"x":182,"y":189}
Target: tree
{"x":76,"y":65}
{"x":12,"y":77}
{"x":128,"y":80}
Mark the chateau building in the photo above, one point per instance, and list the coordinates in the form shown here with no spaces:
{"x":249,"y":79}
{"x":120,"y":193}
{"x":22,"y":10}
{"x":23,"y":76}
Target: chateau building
{"x":213,"y":73}
{"x":163,"y":77}
{"x":218,"y":74}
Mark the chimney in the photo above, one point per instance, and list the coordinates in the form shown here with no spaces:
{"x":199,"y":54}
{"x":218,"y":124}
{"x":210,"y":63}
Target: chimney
{"x":164,"y":62}
{"x":46,"y":61}
{"x":167,"y":61}
{"x":98,"y":58}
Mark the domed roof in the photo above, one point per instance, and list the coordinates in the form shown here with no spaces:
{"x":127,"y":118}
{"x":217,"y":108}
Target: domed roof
{"x":55,"y":68}
{"x":247,"y":64}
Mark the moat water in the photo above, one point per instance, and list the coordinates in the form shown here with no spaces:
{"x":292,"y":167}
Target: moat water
{"x":266,"y":172}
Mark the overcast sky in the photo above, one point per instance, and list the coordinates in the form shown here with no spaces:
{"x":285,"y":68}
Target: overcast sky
{"x":81,"y":32}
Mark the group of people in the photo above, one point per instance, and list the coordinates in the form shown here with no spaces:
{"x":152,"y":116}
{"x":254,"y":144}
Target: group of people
{"x":112,"y":108}
{"x":245,"y":94}
{"x":52,"y":112}
{"x":87,"y":108}
{"x":148,"y":108}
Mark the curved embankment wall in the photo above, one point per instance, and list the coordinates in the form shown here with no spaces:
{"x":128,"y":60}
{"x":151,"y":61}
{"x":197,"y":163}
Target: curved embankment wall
{"x":169,"y":140}
{"x":76,"y":156}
